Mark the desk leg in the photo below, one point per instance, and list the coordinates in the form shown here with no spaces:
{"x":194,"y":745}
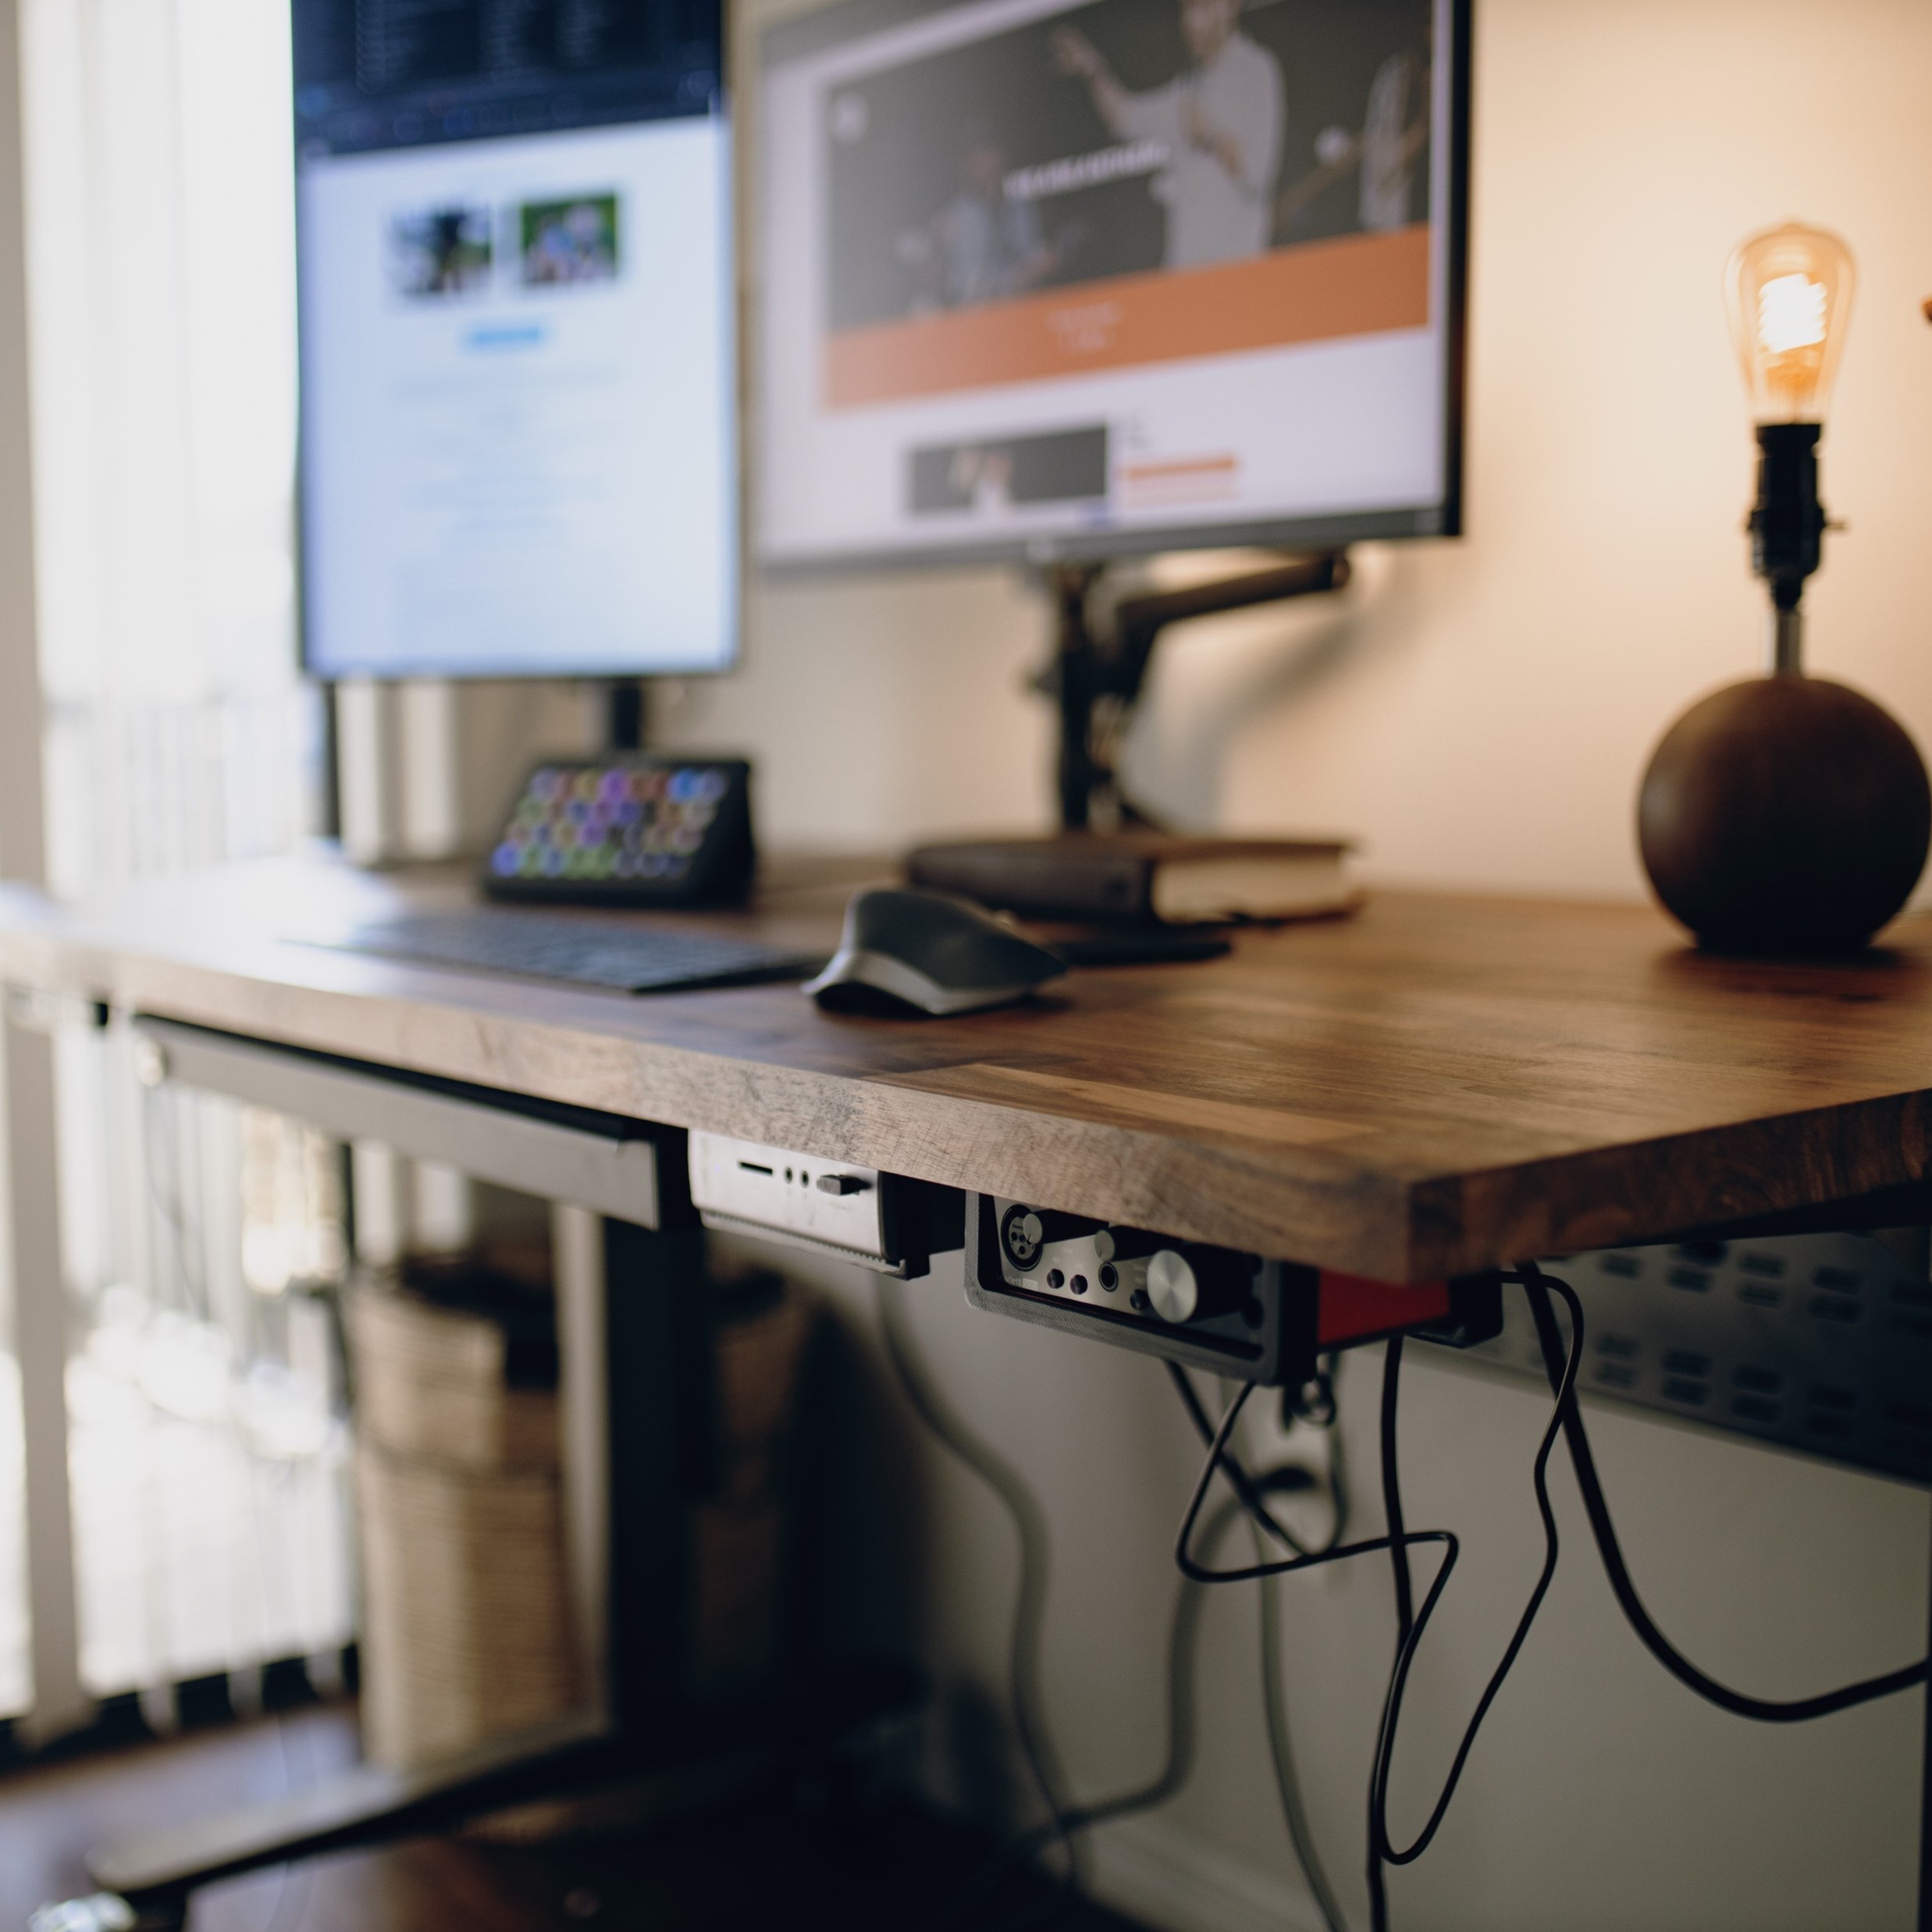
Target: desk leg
{"x":658,"y":1385}
{"x":577,"y":1263}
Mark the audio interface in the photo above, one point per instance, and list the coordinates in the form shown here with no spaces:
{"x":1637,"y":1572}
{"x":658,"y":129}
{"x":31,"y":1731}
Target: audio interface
{"x":1218,"y":1308}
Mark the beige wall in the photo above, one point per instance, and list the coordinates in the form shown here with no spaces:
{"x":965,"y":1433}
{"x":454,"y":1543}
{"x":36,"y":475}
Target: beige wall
{"x":1480,"y":713}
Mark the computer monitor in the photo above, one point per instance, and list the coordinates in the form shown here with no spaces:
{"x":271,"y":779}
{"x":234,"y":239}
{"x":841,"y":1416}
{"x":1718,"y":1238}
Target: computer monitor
{"x":518,"y":358}
{"x":1061,"y":278}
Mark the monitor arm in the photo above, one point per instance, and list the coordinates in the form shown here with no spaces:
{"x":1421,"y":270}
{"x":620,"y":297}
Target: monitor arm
{"x":1098,"y":668}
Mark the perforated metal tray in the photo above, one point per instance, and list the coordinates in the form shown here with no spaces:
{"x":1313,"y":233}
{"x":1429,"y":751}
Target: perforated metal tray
{"x":1820,"y":1343}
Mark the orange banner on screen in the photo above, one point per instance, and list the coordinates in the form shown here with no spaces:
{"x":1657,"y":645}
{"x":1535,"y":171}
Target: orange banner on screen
{"x":1359,"y":285}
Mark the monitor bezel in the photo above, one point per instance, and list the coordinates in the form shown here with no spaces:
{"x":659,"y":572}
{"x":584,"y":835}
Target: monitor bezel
{"x":538,"y":669}
{"x":787,"y":39}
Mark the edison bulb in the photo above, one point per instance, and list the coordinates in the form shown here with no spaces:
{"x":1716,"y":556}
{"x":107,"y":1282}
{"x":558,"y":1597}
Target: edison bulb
{"x":1790,"y":292}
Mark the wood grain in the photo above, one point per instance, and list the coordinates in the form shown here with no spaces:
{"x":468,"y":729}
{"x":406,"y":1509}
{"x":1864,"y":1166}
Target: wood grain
{"x":1441,"y":1082}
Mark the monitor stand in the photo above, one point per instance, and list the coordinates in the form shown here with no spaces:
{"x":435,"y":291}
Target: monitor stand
{"x":1099,"y":667}
{"x":626,"y":715}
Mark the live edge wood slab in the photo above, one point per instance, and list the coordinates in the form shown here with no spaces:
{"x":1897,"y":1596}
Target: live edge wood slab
{"x":1439,"y":1083}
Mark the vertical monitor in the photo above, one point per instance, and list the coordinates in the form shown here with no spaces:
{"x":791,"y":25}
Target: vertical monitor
{"x":514,"y":283}
{"x":1063,"y":278}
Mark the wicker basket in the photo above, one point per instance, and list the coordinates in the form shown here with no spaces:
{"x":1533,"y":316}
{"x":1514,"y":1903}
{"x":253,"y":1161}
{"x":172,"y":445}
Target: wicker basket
{"x":466,"y":1630}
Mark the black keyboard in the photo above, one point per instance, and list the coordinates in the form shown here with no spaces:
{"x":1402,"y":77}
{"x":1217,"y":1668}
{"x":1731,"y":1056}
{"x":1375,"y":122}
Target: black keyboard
{"x":540,"y":946}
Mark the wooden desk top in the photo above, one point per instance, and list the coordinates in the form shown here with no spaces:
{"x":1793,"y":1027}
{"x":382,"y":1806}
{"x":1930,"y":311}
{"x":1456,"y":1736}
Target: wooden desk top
{"x":1440,"y":1083}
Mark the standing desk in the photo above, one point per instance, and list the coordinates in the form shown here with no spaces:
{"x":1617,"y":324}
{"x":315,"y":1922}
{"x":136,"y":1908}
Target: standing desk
{"x":1442,"y":1084}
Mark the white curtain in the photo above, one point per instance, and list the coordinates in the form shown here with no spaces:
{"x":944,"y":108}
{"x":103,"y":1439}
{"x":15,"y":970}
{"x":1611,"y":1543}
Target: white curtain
{"x":205,"y":1450}
{"x":162,"y":309}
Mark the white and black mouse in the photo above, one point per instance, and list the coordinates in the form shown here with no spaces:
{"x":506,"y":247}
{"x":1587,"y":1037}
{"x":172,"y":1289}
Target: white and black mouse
{"x":930,"y":951}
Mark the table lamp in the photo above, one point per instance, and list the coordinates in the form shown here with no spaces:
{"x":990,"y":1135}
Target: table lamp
{"x":1786,"y":814}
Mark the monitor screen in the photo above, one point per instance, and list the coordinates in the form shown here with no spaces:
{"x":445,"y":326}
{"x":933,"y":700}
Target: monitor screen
{"x":1063,"y":278}
{"x":518,"y":362}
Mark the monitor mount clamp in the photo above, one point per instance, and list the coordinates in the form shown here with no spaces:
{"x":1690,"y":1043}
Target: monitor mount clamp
{"x":1100,"y":665}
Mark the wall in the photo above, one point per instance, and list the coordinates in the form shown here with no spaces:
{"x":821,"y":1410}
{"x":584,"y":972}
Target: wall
{"x":1479,"y":712}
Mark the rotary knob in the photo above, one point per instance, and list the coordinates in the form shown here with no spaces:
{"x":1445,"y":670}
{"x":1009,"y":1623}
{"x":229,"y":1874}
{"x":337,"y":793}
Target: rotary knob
{"x":1196,"y":1286}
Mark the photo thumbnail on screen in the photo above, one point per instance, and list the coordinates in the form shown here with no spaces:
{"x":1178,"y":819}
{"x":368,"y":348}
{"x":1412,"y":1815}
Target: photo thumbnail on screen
{"x":446,"y":250}
{"x":564,"y":241}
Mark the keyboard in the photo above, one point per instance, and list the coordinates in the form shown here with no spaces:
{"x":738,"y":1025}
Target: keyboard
{"x":579,"y":952}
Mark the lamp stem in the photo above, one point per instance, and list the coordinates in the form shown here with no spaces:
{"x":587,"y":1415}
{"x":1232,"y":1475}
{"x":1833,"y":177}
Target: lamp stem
{"x":1787,"y":637}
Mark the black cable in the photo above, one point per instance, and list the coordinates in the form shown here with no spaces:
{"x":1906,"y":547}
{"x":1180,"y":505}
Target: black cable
{"x":1250,"y":1493}
{"x":1382,"y":1851}
{"x":1030,"y":1597}
{"x":1563,"y":1381}
{"x":1392,"y":1493}
{"x":1561,"y":1365}
{"x":1217,"y":1455}
{"x":1764,"y":1710}
{"x":1404,"y":1600}
{"x":1239,"y":1480}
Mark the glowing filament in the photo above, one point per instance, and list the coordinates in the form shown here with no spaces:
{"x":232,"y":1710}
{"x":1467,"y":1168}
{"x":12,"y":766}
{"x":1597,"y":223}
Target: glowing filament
{"x":1790,"y":314}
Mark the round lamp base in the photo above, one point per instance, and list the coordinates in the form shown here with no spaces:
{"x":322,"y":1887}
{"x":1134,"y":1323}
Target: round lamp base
{"x":1784,"y":815}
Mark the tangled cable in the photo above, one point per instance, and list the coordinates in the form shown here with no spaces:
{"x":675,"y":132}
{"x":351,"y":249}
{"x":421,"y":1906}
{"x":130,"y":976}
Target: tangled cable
{"x":1560,"y":1363}
{"x":1763,"y":1710}
{"x":1398,"y":1542}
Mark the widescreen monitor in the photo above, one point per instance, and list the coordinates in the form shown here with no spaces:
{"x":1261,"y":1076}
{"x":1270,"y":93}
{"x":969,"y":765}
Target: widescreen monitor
{"x":518,"y":369}
{"x":1059,"y":279}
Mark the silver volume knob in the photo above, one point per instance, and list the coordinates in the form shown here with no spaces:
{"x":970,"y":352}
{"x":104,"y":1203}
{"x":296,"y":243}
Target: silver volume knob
{"x":1172,"y":1288}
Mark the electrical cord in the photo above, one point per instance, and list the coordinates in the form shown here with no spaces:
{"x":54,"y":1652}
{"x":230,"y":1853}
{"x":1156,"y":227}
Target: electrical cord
{"x":1250,"y":1494}
{"x":1764,"y":1710}
{"x":1404,"y":1601}
{"x":1244,"y":1486}
{"x":1281,"y":1755}
{"x":1274,"y":1710}
{"x":1178,"y":1761}
{"x":1561,"y":1364}
{"x":1563,"y":1383}
{"x":1382,"y":1850}
{"x":1177,"y":1765}
{"x":1030,"y":1597}
{"x":1283,"y":1479}
{"x":1392,"y":1493}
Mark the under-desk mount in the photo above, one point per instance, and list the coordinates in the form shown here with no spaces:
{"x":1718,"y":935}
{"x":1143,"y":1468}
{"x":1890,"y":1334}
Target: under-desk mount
{"x":1233,"y":1314}
{"x":605,"y":1162}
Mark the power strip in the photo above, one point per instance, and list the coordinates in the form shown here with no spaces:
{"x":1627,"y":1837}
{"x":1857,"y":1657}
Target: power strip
{"x":1820,"y":1343}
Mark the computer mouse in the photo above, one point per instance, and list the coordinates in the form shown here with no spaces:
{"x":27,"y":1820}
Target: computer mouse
{"x":931,"y":952}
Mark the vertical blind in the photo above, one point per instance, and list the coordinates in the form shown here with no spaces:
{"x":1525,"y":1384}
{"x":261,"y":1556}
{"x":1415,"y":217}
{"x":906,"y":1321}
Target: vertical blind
{"x":199,"y":1238}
